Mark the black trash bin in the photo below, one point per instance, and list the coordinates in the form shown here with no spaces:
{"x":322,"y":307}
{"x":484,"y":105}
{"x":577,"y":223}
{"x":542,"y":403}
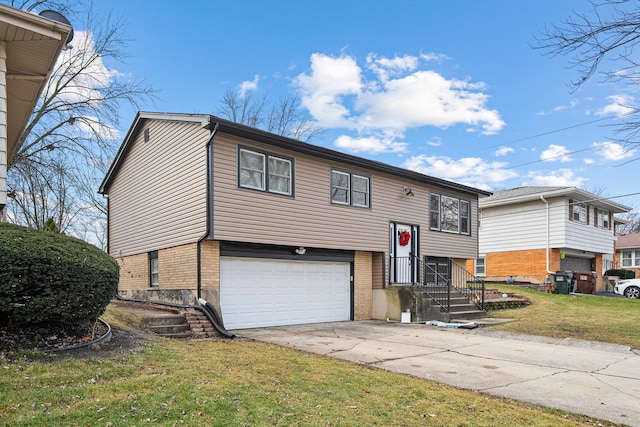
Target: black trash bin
{"x":562,"y":282}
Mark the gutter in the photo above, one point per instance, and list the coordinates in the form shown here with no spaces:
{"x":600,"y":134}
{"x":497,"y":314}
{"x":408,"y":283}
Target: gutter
{"x":547,"y":245}
{"x":209,"y":209}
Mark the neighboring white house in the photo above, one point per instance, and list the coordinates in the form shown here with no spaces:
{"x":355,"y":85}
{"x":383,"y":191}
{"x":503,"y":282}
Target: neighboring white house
{"x":528,"y":233}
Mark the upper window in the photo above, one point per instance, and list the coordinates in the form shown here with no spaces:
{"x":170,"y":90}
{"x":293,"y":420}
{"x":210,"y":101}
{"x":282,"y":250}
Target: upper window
{"x":265,"y":172}
{"x":578,"y":212}
{"x":449,"y":214}
{"x":630,"y":258}
{"x":603,"y":219}
{"x":350,"y":189}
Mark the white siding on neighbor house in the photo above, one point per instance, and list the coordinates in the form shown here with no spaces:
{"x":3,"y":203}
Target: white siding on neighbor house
{"x":524,"y":226}
{"x":310,"y":219}
{"x":158,"y":198}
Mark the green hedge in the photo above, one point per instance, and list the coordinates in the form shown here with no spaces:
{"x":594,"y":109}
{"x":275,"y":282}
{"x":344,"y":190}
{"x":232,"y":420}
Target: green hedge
{"x":623,"y":274}
{"x":51,"y":278}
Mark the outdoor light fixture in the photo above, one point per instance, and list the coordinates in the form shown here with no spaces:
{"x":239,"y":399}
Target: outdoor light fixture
{"x":408,"y":192}
{"x":301,"y":250}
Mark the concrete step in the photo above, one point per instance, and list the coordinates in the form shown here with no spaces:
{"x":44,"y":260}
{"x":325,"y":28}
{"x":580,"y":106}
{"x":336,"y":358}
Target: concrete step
{"x":169,"y":325}
{"x":467,"y":315}
{"x":462,"y":307}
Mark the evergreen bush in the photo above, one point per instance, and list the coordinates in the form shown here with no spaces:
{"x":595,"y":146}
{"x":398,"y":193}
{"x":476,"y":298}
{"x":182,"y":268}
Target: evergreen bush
{"x":622,"y":273}
{"x":50,"y":278}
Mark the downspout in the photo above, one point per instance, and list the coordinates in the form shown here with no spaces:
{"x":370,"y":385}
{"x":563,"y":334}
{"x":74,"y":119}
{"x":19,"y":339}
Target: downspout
{"x":547,"y":245}
{"x":209,"y":209}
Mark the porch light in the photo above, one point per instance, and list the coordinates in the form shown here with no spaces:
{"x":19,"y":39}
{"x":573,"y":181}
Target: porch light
{"x":408,"y":192}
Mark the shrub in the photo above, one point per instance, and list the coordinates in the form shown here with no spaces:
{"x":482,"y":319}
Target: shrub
{"x":51,"y":278}
{"x":622,"y":273}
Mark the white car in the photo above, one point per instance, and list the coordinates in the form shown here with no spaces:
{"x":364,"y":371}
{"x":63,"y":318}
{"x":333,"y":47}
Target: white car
{"x":630,"y":288}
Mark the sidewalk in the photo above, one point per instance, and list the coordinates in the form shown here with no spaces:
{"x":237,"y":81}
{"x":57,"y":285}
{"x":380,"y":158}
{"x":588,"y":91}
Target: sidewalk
{"x":590,"y":378}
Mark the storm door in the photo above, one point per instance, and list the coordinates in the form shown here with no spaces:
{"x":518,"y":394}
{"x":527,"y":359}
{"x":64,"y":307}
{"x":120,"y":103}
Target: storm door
{"x":404,"y":263}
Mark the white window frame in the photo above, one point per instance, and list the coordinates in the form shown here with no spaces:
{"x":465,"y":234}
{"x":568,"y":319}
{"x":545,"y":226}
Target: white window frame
{"x":349,"y":189}
{"x":453,"y":218}
{"x":480,"y":264}
{"x":632,"y":258}
{"x":579,"y":212}
{"x":267,"y":174}
{"x":603,"y":219}
{"x":154,"y":269}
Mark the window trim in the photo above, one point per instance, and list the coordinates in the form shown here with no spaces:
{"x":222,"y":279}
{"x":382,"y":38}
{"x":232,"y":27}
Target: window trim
{"x":634,"y":258}
{"x":483,"y":265}
{"x":350,"y":191}
{"x":266,"y":173}
{"x":438,"y":227}
{"x":153,"y":256}
{"x":605,"y":215}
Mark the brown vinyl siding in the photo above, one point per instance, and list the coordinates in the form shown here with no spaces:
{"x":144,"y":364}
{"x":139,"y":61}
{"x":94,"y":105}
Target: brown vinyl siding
{"x":310,"y":219}
{"x":158,"y":199}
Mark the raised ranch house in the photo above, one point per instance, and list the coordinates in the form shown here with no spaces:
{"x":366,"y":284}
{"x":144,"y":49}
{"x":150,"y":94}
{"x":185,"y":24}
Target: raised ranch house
{"x":530,"y":233}
{"x":274,"y":231}
{"x":29,"y":47}
{"x":628,"y":253}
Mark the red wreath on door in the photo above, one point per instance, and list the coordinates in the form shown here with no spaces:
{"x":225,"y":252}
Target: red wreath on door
{"x":404,"y":237}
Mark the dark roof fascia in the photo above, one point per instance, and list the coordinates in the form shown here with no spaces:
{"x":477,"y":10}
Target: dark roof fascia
{"x":243,"y":131}
{"x":332,"y":155}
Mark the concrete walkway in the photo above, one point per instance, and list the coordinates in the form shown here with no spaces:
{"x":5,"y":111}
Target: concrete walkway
{"x":590,"y":378}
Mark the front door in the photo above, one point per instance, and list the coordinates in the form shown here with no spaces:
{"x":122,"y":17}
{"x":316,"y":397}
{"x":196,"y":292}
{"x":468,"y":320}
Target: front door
{"x":404,"y":253}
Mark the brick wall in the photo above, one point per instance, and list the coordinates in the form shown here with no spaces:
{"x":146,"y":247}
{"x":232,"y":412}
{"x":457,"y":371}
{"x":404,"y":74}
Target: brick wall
{"x":377,"y":266}
{"x":363,"y":293}
{"x":178,"y":267}
{"x":134,"y":272}
{"x":529,"y":265}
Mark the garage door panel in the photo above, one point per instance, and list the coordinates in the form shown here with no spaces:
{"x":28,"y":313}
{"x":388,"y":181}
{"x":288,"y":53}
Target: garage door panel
{"x":260,"y":292}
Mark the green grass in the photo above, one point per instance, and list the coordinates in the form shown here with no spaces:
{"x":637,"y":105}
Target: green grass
{"x":243,"y":383}
{"x":247,"y":383}
{"x":587,"y":317}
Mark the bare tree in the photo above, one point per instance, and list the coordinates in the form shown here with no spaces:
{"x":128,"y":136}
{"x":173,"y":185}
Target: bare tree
{"x":603,"y":41}
{"x":285,"y":117}
{"x":73,"y":130}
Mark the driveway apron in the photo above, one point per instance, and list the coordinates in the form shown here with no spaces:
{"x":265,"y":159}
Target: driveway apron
{"x":590,"y":378}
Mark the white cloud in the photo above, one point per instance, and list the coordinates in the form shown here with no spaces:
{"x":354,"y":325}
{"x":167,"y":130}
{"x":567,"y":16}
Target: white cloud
{"x":85,"y":86}
{"x":472,"y":171}
{"x":556,"y":178}
{"x":386,"y":67}
{"x":436,"y":141}
{"x":555,"y":153}
{"x":572,"y":104}
{"x":432,"y":56}
{"x":620,"y":106}
{"x":394,"y":95}
{"x":370,"y":144}
{"x":503,"y":151}
{"x":612,"y":151}
{"x":589,"y":161}
{"x":247,"y":86}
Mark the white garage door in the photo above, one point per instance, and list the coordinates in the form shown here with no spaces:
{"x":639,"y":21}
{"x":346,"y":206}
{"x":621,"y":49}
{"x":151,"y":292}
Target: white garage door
{"x":265,"y":292}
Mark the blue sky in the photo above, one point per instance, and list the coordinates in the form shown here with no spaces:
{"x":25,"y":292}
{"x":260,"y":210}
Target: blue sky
{"x":452,"y":88}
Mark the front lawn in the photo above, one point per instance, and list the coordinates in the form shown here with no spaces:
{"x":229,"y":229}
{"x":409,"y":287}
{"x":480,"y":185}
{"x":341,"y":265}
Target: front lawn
{"x":587,"y":317}
{"x":243,"y":383}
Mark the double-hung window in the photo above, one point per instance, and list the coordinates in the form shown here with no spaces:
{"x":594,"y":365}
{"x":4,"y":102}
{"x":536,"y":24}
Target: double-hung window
{"x":603,"y":218}
{"x":480,"y":269}
{"x":630,"y":258}
{"x":578,"y":212}
{"x":154,"y":281}
{"x":449,"y":214}
{"x":351,"y":189}
{"x":265,"y":172}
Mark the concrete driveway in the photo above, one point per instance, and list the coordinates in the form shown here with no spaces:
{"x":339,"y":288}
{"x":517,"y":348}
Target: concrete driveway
{"x":590,"y":378}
